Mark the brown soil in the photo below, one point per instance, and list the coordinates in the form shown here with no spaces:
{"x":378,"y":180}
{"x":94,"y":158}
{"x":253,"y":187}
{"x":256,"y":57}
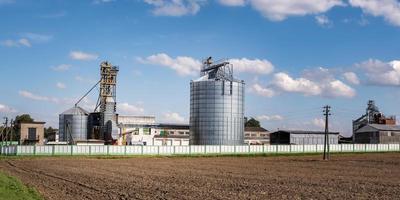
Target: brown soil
{"x":361,"y":176}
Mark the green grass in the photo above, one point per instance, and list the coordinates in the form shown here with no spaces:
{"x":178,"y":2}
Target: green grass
{"x":12,"y":188}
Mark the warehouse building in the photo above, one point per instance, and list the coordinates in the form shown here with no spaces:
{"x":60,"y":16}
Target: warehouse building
{"x":299,"y":137}
{"x":256,"y":136}
{"x":378,"y":134}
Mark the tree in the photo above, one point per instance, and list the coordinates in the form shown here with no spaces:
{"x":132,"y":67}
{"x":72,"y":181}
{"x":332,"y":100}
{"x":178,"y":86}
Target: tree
{"x":49,"y":132}
{"x":252,"y":123}
{"x":25,"y":118}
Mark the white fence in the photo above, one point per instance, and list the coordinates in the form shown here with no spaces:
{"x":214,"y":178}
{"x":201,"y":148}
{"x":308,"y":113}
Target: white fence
{"x":190,"y":150}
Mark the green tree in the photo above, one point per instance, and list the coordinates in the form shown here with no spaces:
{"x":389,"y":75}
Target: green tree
{"x":25,"y":118}
{"x":49,"y":131}
{"x":252,"y":123}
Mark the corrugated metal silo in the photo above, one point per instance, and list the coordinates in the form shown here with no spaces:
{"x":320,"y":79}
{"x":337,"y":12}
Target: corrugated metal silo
{"x":217,"y":106}
{"x":73,"y":125}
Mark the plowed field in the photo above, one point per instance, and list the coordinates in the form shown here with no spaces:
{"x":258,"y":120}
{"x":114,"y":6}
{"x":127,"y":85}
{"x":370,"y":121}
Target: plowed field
{"x":358,"y":176}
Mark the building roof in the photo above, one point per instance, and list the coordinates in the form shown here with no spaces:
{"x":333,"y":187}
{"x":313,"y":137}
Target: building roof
{"x":172,"y":136}
{"x":32,"y":122}
{"x":75,"y":111}
{"x":304,"y":132}
{"x":378,"y":127}
{"x":255,"y":129}
{"x":173,"y":126}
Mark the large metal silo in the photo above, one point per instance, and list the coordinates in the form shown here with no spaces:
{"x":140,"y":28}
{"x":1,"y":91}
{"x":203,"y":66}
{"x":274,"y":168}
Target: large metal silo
{"x":217,"y":106}
{"x":73,"y":125}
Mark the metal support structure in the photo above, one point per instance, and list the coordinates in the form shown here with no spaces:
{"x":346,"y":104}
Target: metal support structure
{"x":327,"y":110}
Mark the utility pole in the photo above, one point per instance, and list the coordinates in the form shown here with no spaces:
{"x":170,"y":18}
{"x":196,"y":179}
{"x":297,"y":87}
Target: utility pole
{"x":327,"y":110}
{"x":5,"y":131}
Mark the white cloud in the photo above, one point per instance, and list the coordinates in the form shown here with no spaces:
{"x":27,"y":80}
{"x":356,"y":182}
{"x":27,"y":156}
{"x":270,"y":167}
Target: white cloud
{"x":300,"y":85}
{"x":6,"y":109}
{"x":381,"y":73}
{"x":270,"y":118}
{"x":79,"y":55}
{"x":60,"y":85}
{"x":35,"y":37}
{"x":253,"y":66}
{"x":351,"y":77}
{"x":388,"y":9}
{"x":233,"y":2}
{"x":262,"y":91}
{"x":16,"y":43}
{"x":182,"y":65}
{"x":128,"y":109}
{"x":315,"y":82}
{"x":318,"y":122}
{"x":30,"y":95}
{"x":174,"y":7}
{"x":323,"y":21}
{"x":173,"y":117}
{"x":278,"y":10}
{"x":61,"y":68}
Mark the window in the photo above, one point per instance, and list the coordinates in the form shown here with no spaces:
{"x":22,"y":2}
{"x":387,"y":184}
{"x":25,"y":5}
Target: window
{"x":31,"y":133}
{"x":181,"y":133}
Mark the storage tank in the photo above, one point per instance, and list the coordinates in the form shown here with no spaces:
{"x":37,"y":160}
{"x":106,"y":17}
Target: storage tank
{"x":73,"y":125}
{"x":217,"y":106}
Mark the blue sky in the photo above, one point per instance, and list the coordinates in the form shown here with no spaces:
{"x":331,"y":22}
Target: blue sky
{"x":295,"y":56}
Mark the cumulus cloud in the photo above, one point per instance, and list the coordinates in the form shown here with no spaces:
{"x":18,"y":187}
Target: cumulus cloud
{"x":269,"y":118}
{"x":79,"y":55}
{"x":323,"y":21}
{"x":280,"y":10}
{"x":6,"y":109}
{"x":351,"y":77}
{"x":232,"y":2}
{"x":253,"y":66}
{"x":262,"y":91}
{"x":129,"y":109}
{"x":173,"y":117}
{"x":316,"y":82}
{"x":183,"y":65}
{"x":60,"y":85}
{"x":61,"y":68}
{"x":174,"y":8}
{"x":23,"y":42}
{"x":381,"y":73}
{"x":388,"y":9}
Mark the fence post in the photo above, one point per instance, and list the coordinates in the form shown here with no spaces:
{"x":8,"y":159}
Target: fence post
{"x":249,"y":151}
{"x":290,"y":148}
{"x":108,"y":150}
{"x":125,"y":150}
{"x":354,"y":149}
{"x":365,"y":147}
{"x":234,"y":149}
{"x":388,"y":149}
{"x":34,"y":150}
{"x":316,"y":148}
{"x":173,"y":147}
{"x":190,"y":150}
{"x":341,"y":148}
{"x":158,"y":150}
{"x":276,"y":149}
{"x":72,"y":150}
{"x":377,"y":147}
{"x":263,"y":148}
{"x":142,"y":151}
{"x":52,"y":151}
{"x":220,"y":149}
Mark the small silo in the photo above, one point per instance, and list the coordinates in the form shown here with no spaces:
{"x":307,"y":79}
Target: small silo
{"x":217,"y":106}
{"x":73,"y":125}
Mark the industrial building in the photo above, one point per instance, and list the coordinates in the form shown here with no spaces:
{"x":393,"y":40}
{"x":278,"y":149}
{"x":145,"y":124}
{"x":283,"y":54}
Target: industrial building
{"x":299,"y":137}
{"x":256,"y":136}
{"x":78,"y":125}
{"x":143,"y":130}
{"x":31,"y":133}
{"x":217,"y":106}
{"x":374,"y":127}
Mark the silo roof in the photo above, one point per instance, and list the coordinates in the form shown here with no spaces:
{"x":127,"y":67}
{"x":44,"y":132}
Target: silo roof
{"x":75,"y":111}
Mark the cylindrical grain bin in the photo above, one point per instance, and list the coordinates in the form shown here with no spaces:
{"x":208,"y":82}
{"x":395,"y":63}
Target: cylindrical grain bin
{"x":216,"y":109}
{"x":73,"y":125}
